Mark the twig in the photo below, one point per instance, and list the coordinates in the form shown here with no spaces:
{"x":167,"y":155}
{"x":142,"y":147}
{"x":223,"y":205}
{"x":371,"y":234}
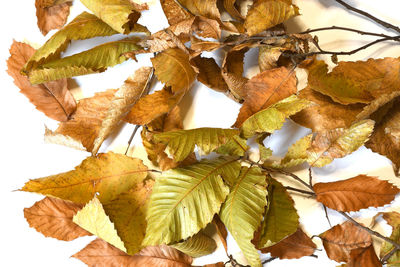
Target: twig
{"x":326,"y":215}
{"x":294,"y":176}
{"x":389,"y":255}
{"x":300,"y":190}
{"x":233,"y":262}
{"x":131,"y":138}
{"x":310,"y":178}
{"x":366,"y":14}
{"x":340,"y":28}
{"x":269,"y":260}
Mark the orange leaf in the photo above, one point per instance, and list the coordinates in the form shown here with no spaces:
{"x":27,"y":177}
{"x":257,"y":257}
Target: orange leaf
{"x":364,"y":257}
{"x":51,"y":17}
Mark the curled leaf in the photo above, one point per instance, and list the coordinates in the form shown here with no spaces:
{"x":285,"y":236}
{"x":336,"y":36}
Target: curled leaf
{"x":197,"y":246}
{"x":53,"y":16}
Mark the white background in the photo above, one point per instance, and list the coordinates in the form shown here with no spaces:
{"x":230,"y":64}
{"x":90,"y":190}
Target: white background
{"x":25,"y":156}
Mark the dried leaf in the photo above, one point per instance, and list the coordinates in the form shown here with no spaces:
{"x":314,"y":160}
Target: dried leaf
{"x":230,"y":6}
{"x":121,"y":15}
{"x":355,"y":193}
{"x":236,"y":146}
{"x":232,"y":72}
{"x":393,"y":219}
{"x":295,"y":246}
{"x":341,"y":239}
{"x":205,"y":8}
{"x":53,"y":218}
{"x":51,"y":137}
{"x":376,"y":104}
{"x":52,"y":17}
{"x":53,"y":98}
{"x":197,"y":246}
{"x":172,"y":67}
{"x":185,"y":200}
{"x":365,"y":257}
{"x":221,"y":231}
{"x":210,"y":74}
{"x":281,"y":219}
{"x":108,"y":174}
{"x":297,"y":153}
{"x":122,"y":102}
{"x":174,"y":12}
{"x":266,"y":89}
{"x":265,"y":14}
{"x":242,"y":212}
{"x":268,"y":57}
{"x":101,"y":254}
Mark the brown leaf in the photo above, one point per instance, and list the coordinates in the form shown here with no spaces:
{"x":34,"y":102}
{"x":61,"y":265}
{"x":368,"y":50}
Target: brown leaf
{"x":218,"y":264}
{"x":327,"y":114}
{"x":210,"y":74}
{"x":294,"y":246}
{"x":174,"y":12}
{"x":341,"y":239}
{"x":53,"y":16}
{"x":205,"y":8}
{"x":264,"y":90}
{"x":198,"y":45}
{"x":364,"y":257}
{"x":101,"y":254}
{"x":53,"y":218}
{"x":232,"y":9}
{"x":52,"y":98}
{"x":221,"y":231}
{"x":355,"y":193}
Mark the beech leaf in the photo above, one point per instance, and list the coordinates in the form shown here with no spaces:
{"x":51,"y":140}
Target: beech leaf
{"x":108,"y":174}
{"x":205,"y":8}
{"x":365,"y":257}
{"x":232,"y":72}
{"x":197,"y":246}
{"x":297,"y":153}
{"x":230,"y":6}
{"x":174,"y":12}
{"x":242,"y":212}
{"x":53,"y":218}
{"x":355,"y":193}
{"x":221,"y":231}
{"x":210,"y":74}
{"x":236,"y":146}
{"x":52,"y":17}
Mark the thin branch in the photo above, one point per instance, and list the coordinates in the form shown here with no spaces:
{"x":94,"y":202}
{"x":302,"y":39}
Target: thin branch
{"x":340,"y":28}
{"x":300,"y":190}
{"x":269,"y":260}
{"x":326,"y":215}
{"x":366,"y":14}
{"x":389,"y":255}
{"x":131,"y":138}
{"x":310,"y":178}
{"x":294,"y":176}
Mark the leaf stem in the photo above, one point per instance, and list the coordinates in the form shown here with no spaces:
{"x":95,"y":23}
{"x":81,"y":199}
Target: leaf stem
{"x":300,"y":190}
{"x":340,"y":28}
{"x":292,"y":175}
{"x":131,"y":138}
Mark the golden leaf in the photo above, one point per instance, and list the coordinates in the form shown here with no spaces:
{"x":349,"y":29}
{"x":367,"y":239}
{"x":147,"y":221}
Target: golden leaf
{"x":53,"y":16}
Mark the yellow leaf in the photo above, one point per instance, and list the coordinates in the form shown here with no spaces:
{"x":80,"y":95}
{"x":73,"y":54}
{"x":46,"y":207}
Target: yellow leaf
{"x":197,"y":246}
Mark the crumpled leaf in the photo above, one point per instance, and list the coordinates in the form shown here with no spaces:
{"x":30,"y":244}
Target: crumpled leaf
{"x":272,"y":118}
{"x":182,"y":142}
{"x":265,"y":14}
{"x":232,"y":72}
{"x":53,"y":16}
{"x":231,"y":8}
{"x":53,"y":98}
{"x":210,"y":74}
{"x":376,"y":104}
{"x":51,"y":137}
{"x":266,"y":89}
{"x":94,"y":219}
{"x":393,"y":219}
{"x":242,"y":212}
{"x":281,"y":218}
{"x":355,"y":82}
{"x":268,"y":57}
{"x":295,"y":246}
{"x":172,"y":67}
{"x":108,"y":174}
{"x":53,"y":218}
{"x":365,"y":257}
{"x":185,"y":200}
{"x":128,"y":213}
{"x":384,"y":139}
{"x":132,"y":89}
{"x":121,"y":15}
{"x":355,"y":193}
{"x":94,"y":60}
{"x":197,"y":246}
{"x":205,"y":8}
{"x":341,"y":239}
{"x":101,"y":254}
{"x":174,"y":12}
{"x":84,"y":26}
{"x":337,"y":143}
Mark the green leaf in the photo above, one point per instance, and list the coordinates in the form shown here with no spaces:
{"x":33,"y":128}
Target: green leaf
{"x":95,"y":60}
{"x":297,"y":153}
{"x":121,"y":15}
{"x":243,"y":210}
{"x":265,"y":153}
{"x":272,"y":118}
{"x":84,"y":26}
{"x":181,"y":143}
{"x":108,"y":174}
{"x":236,"y":146}
{"x":281,"y":219}
{"x":184,"y":200}
{"x":393,"y":219}
{"x":197,"y":246}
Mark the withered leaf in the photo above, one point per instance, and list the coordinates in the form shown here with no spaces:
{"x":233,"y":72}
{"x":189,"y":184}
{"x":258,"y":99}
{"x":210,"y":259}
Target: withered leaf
{"x":101,"y":254}
{"x":355,"y":193}
{"x":108,"y":174}
{"x":294,"y":246}
{"x":174,"y":12}
{"x":210,"y":73}
{"x":205,"y":8}
{"x":232,"y":72}
{"x":341,"y":239}
{"x":231,"y":8}
{"x":197,"y":246}
{"x":53,"y":218}
{"x":266,"y":89}
{"x":221,"y":231}
{"x":52,"y":98}
{"x":53,"y":16}
{"x":393,"y":219}
{"x":365,"y":257}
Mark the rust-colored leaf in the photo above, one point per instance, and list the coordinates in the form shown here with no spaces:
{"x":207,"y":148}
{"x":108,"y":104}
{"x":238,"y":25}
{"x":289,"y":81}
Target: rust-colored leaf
{"x":232,"y":72}
{"x":210,"y":74}
{"x":174,"y":12}
{"x":52,"y":17}
{"x":53,"y":218}
{"x":364,"y":257}
{"x":355,"y":193}
{"x":52,"y":98}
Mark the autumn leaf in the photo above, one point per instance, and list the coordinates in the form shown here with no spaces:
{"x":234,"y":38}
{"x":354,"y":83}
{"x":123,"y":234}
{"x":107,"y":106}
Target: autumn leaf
{"x":121,"y":15}
{"x":242,"y":212}
{"x":185,"y":200}
{"x":231,"y":8}
{"x":297,"y":153}
{"x":53,"y":98}
{"x":130,"y":92}
{"x":108,"y":174}
{"x":236,"y":146}
{"x":182,"y":142}
{"x":221,"y":231}
{"x":295,"y":246}
{"x":341,"y":239}
{"x":266,"y":89}
{"x":268,"y":57}
{"x":265,"y":14}
{"x":197,"y":246}
{"x":50,"y":17}
{"x":174,"y":12}
{"x":232,"y":72}
{"x":101,"y":254}
{"x":210,"y":74}
{"x":94,"y":219}
{"x":355,"y":193}
{"x":51,"y":137}
{"x":53,"y":218}
{"x":393,"y":219}
{"x":205,"y":8}
{"x":172,"y":67}
{"x":365,"y":257}
{"x":281,"y":219}
{"x":272,"y":118}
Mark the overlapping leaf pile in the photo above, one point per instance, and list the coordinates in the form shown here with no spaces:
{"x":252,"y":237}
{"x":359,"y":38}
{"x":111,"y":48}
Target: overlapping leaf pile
{"x":145,"y":221}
